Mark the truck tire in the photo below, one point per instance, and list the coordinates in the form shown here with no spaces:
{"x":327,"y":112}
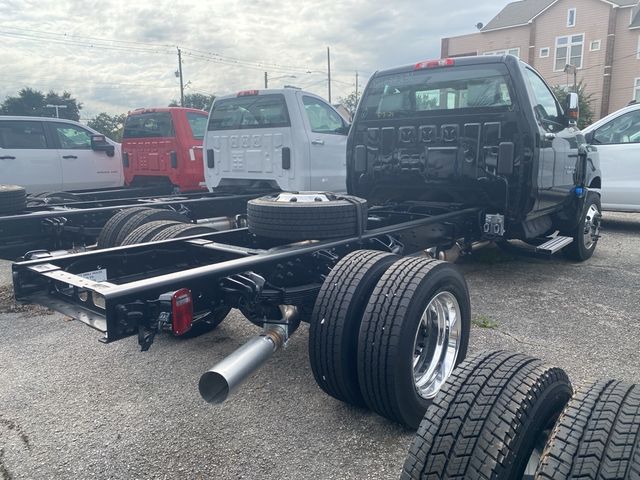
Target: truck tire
{"x":295,"y":219}
{"x":109,"y":232}
{"x":584,"y":244}
{"x":208,"y":323}
{"x":490,"y":420}
{"x":597,"y":436}
{"x":146,"y":232}
{"x":182,"y":230}
{"x":13,"y":199}
{"x":414,"y":330}
{"x":336,"y":318}
{"x":146,"y":216}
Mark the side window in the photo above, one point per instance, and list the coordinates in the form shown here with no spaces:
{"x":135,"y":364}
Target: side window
{"x":624,"y":129}
{"x":545,"y":106}
{"x":322,"y":118}
{"x":22,"y":134}
{"x":72,"y":137}
{"x":198,"y":124}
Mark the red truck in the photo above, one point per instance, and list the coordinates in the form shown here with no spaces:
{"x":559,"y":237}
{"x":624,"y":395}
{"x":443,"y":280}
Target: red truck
{"x":164,"y":145}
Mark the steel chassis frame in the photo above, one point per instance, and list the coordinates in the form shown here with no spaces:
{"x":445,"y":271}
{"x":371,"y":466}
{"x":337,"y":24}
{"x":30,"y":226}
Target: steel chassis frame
{"x":218,"y":268}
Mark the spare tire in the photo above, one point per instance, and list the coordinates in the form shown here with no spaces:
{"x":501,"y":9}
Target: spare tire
{"x":490,"y":420}
{"x":109,"y":232}
{"x":597,"y":436}
{"x":13,"y":199}
{"x":146,"y":232}
{"x":182,"y":230}
{"x":306,"y":215}
{"x":146,"y":216}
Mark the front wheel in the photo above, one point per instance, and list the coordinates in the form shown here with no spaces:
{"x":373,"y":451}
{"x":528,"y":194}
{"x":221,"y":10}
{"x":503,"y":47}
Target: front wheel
{"x":586,"y":234}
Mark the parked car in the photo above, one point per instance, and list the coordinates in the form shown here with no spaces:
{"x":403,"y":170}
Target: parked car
{"x":286,"y":138}
{"x":50,"y":154}
{"x":617,"y":137}
{"x":164,"y":145}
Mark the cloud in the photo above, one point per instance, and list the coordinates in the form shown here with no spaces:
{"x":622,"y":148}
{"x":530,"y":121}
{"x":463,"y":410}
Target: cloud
{"x":114,"y":55}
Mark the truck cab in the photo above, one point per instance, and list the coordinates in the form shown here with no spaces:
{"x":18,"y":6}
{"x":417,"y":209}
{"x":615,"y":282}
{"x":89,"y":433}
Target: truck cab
{"x":478,"y":131}
{"x":286,"y":139}
{"x":164,"y":145}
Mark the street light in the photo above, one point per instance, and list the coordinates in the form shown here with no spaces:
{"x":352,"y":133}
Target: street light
{"x":568,"y":68}
{"x":49,"y":105}
{"x":266,"y":78}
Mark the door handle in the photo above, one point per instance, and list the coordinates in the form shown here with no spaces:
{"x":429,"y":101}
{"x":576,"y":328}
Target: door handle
{"x":7,"y":157}
{"x":69,"y":156}
{"x":549,"y":136}
{"x":317,"y":141}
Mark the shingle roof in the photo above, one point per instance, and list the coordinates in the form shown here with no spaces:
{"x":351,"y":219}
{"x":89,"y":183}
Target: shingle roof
{"x":523,"y":11}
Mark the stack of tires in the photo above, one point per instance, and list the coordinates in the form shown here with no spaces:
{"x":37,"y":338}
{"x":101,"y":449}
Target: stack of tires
{"x":13,"y":199}
{"x":141,"y":224}
{"x":505,"y":415}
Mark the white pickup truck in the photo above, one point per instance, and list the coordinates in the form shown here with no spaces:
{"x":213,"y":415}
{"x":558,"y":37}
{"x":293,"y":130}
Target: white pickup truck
{"x":286,"y":138}
{"x":50,"y":155}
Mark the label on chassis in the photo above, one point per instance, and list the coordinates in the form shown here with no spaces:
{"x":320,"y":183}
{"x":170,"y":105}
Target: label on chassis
{"x":95,"y":275}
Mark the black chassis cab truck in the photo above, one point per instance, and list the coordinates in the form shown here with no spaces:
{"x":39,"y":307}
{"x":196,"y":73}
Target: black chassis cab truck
{"x":442,"y":156}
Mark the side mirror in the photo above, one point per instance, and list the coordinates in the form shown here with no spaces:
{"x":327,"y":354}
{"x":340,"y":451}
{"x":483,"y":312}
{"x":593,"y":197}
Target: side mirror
{"x":505,"y":158}
{"x":589,"y":137}
{"x":99,"y":144}
{"x":344,"y":130}
{"x":572,"y":109}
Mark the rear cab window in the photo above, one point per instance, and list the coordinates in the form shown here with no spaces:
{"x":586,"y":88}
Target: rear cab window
{"x":20,"y":134}
{"x":197,"y":124}
{"x":249,"y":112}
{"x":148,"y":125}
{"x":407,"y":94}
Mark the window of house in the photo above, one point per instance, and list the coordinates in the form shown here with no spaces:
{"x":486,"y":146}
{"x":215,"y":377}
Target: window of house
{"x":544,"y":52}
{"x":511,"y":51}
{"x":569,"y":51}
{"x":595,"y":45}
{"x":571,"y":17}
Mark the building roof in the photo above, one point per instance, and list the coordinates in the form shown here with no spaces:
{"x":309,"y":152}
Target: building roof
{"x":524,"y":11}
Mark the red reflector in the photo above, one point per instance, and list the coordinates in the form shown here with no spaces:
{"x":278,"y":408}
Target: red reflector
{"x":246,"y":93}
{"x":181,"y":311}
{"x":443,"y":62}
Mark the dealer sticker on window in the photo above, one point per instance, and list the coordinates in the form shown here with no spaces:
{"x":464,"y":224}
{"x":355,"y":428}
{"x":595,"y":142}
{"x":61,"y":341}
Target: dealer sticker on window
{"x":95,"y":275}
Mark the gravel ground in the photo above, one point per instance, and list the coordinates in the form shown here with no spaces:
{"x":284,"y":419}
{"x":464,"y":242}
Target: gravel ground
{"x":71,"y":407}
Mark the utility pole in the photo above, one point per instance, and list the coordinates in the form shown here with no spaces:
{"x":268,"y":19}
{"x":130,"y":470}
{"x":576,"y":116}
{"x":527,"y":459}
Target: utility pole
{"x":329,"y":73}
{"x":265,"y":80}
{"x":180,"y":75}
{"x":57,"y":107}
{"x":356,"y":87}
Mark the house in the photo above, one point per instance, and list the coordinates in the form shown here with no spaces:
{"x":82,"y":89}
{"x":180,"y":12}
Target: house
{"x":601,"y":38}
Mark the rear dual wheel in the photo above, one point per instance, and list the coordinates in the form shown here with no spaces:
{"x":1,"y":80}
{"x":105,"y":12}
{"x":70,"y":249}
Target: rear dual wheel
{"x":387,"y":332}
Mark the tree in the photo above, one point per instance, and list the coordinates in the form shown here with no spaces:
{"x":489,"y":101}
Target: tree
{"x":33,"y":102}
{"x":109,"y":125}
{"x":584,"y":103}
{"x":195,"y":100}
{"x":350,"y":102}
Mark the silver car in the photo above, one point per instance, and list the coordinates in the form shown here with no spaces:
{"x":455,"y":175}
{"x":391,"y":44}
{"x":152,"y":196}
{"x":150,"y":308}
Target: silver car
{"x":617,"y":137}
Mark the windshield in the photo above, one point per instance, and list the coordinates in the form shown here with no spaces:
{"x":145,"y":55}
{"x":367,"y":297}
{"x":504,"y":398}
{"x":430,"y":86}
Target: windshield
{"x":143,"y":125}
{"x":198,"y":124}
{"x":409,"y":93}
{"x":252,"y":111}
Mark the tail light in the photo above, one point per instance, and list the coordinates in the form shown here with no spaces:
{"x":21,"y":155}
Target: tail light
{"x":443,"y":62}
{"x":181,"y":311}
{"x":246,"y":93}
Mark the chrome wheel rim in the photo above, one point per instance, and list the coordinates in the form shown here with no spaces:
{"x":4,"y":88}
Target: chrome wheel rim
{"x":436,"y":344}
{"x":591,"y":226}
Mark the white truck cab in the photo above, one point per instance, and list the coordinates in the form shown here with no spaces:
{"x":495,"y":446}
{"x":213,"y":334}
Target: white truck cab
{"x":285,"y":138}
{"x":45,"y":154}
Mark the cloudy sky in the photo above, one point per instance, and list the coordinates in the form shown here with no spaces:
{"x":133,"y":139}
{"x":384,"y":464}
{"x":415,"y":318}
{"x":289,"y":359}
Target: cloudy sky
{"x":116,"y":55}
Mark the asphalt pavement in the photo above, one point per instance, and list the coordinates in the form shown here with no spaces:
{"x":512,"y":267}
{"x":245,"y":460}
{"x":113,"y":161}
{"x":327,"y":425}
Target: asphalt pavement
{"x":71,"y":407}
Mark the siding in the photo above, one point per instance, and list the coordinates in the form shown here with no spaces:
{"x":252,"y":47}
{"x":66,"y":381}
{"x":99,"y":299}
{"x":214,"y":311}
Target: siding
{"x":479,"y":43}
{"x":626,"y":67}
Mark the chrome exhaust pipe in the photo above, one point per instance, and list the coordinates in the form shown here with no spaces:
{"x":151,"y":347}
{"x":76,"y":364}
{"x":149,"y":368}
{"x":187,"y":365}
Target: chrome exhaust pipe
{"x":218,"y":383}
{"x":218,"y":223}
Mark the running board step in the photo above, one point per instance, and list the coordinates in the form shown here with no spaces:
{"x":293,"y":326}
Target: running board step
{"x":554,"y":245}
